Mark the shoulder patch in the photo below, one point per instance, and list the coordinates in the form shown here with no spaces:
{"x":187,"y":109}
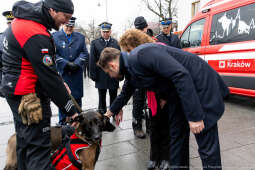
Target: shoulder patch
{"x":47,"y":60}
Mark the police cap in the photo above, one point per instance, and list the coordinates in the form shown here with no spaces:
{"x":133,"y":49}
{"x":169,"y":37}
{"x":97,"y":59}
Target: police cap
{"x":8,"y":15}
{"x":166,"y":22}
{"x":105,"y":26}
{"x":71,"y":22}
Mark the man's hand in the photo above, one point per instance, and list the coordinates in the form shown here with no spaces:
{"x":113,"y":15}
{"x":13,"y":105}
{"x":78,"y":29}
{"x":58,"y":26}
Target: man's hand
{"x":196,"y":127}
{"x":108,"y":114}
{"x":74,"y":123}
{"x":68,"y":119}
{"x":162,"y":103}
{"x":118,"y":117}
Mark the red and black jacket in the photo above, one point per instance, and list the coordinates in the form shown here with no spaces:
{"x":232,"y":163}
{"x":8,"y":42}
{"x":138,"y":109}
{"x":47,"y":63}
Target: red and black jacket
{"x":29,"y":57}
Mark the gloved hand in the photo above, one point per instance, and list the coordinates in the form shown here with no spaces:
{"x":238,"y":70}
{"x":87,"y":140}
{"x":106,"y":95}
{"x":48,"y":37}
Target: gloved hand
{"x":30,"y":109}
{"x":70,"y":66}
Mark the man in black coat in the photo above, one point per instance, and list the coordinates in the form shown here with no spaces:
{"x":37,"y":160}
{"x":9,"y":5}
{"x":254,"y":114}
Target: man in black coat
{"x":139,"y":95}
{"x":102,"y":80}
{"x":166,"y":36}
{"x":194,"y":91}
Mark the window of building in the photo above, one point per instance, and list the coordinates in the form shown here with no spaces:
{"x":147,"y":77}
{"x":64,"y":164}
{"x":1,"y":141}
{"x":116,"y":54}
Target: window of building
{"x":192,"y":36}
{"x":195,"y":8}
{"x":233,"y":26}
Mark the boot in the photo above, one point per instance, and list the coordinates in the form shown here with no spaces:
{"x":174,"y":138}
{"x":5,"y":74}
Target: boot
{"x":152,"y":165}
{"x":137,"y":127}
{"x":164,"y":165}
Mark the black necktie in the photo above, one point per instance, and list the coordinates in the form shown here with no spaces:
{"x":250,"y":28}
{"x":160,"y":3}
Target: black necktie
{"x":106,"y":43}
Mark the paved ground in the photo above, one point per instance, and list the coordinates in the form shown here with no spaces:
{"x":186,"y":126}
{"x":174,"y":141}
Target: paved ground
{"x":122,"y":151}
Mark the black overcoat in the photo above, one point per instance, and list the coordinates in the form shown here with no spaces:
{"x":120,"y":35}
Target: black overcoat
{"x":186,"y":78}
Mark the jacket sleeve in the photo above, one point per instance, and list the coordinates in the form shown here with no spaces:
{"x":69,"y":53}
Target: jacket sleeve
{"x":92,"y":61}
{"x":122,"y":99}
{"x":60,"y":61}
{"x":163,"y":64}
{"x":84,"y":55}
{"x":46,"y":71}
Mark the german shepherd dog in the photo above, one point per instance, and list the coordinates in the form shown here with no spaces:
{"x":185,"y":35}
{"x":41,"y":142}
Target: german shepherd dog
{"x":88,"y":130}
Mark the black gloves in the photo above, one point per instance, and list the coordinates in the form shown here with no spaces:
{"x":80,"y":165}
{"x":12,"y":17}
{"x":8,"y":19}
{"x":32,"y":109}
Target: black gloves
{"x":70,"y":66}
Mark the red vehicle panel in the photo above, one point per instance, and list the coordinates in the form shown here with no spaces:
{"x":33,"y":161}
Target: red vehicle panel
{"x":223,"y":34}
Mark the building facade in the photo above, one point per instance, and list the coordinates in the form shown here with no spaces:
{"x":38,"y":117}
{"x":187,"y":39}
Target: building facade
{"x":186,"y":10}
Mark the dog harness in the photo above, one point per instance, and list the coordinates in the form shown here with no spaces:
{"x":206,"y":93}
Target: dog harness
{"x":66,"y":157}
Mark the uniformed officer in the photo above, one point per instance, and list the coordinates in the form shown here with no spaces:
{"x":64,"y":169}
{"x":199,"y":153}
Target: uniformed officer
{"x":71,"y":55}
{"x":166,"y":36}
{"x":194,"y":93}
{"x":102,"y":80}
{"x":9,"y":17}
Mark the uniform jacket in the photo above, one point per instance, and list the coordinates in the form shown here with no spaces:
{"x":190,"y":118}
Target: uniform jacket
{"x":171,"y":40}
{"x":1,"y":49}
{"x":102,"y":80}
{"x":74,"y":51}
{"x":187,"y":79}
{"x":29,"y":56}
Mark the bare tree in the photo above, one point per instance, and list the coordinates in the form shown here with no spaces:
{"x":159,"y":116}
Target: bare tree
{"x":91,"y":32}
{"x":162,"y":8}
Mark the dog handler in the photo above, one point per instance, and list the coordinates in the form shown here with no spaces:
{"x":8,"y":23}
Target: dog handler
{"x":196,"y":91}
{"x":30,"y":78}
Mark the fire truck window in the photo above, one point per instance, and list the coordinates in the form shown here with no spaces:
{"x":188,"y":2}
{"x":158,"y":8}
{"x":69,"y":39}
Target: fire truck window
{"x":192,"y":37}
{"x":233,"y":26}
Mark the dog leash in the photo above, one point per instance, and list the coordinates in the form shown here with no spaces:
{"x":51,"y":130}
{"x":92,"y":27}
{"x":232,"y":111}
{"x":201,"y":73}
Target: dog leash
{"x":75,"y":104}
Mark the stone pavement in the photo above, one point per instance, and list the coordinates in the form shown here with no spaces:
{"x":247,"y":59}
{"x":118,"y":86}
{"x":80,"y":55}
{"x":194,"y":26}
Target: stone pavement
{"x":122,"y":151}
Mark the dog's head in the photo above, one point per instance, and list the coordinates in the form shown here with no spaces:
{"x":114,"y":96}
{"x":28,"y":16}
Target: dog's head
{"x":90,"y":126}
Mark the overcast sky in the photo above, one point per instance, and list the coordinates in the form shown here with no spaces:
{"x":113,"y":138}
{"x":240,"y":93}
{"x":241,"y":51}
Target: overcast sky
{"x":120,"y":12}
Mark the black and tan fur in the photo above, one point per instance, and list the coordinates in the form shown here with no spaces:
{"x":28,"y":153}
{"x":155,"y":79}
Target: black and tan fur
{"x":89,"y":128}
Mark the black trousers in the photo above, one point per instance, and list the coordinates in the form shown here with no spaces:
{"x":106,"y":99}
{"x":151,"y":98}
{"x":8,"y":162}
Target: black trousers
{"x":138,"y":104}
{"x":33,"y":142}
{"x":102,"y":98}
{"x":208,"y":144}
{"x":159,"y":136}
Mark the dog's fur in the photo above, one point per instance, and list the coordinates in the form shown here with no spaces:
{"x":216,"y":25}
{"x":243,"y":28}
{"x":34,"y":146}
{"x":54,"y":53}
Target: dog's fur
{"x":89,"y":128}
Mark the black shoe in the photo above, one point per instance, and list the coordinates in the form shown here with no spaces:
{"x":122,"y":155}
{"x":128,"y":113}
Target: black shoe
{"x":137,"y":127}
{"x":152,"y":165}
{"x":164,"y":165}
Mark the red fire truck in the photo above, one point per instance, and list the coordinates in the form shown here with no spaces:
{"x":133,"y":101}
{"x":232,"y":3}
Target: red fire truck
{"x":223,"y":34}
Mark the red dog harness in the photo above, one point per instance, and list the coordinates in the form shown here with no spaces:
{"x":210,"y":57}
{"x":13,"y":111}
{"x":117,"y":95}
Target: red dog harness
{"x":66,"y":157}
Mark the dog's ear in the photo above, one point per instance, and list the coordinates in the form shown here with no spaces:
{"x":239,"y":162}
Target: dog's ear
{"x":107,"y":125}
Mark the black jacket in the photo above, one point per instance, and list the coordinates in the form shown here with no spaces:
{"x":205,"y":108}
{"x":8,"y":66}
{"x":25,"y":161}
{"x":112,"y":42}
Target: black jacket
{"x":186,"y":77}
{"x":102,"y":80}
{"x":171,"y":40}
{"x":29,"y":57}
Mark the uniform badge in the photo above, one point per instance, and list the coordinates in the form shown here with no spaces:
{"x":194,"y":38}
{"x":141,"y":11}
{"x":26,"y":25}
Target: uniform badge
{"x":47,"y":60}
